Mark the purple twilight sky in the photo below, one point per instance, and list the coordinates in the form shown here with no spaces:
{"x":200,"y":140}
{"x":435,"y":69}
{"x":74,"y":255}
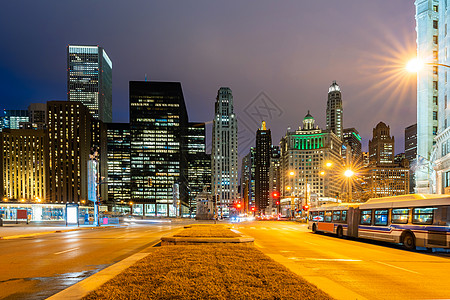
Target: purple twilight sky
{"x":278,"y":57}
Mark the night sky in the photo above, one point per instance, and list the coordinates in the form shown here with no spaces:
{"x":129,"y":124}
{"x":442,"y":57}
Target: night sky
{"x":278,"y":57}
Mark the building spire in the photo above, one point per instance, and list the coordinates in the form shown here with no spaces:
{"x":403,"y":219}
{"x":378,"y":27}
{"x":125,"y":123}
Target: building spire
{"x":263,"y":126}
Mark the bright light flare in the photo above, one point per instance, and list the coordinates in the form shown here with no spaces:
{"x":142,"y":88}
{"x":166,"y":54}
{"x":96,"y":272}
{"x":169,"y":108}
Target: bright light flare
{"x":414,"y":65}
{"x":328,"y":164}
{"x":292,"y":173}
{"x":349,"y":173}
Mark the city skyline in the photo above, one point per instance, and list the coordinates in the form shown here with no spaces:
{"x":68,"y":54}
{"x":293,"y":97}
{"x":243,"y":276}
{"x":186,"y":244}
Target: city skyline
{"x":301,"y":85}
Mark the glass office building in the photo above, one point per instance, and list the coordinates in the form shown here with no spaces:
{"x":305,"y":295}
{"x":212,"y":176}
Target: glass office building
{"x":89,"y":79}
{"x":158,"y":124}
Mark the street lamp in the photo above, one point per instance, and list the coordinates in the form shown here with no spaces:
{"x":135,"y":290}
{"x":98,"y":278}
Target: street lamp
{"x":349,"y":174}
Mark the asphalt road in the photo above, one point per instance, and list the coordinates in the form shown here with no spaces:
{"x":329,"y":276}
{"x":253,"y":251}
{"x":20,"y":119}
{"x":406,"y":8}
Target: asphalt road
{"x":351,"y":269}
{"x":38,"y":267}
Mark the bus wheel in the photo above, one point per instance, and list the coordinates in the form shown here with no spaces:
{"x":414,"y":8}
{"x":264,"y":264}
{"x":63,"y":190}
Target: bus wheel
{"x":314,"y":228}
{"x":339,"y":232}
{"x":408,"y":241}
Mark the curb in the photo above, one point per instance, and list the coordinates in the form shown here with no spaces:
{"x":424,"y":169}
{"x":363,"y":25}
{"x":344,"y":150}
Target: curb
{"x":84,"y":287}
{"x":10,"y":237}
{"x":186,"y":240}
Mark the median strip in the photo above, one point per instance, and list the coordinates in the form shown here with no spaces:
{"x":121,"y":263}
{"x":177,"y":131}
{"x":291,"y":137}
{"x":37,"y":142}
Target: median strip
{"x":202,"y":271}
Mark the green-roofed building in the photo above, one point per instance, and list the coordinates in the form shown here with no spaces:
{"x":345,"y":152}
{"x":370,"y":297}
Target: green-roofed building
{"x":304,"y":157}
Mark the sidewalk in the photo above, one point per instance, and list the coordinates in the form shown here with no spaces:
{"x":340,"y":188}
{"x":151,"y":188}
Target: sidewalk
{"x":12,"y":231}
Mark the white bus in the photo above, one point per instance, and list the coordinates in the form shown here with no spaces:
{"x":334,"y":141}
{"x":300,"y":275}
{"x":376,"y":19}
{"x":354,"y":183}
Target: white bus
{"x":413,"y":220}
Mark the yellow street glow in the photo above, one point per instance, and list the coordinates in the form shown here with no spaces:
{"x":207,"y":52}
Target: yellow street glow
{"x":349,"y":173}
{"x":329,"y":164}
{"x":292,"y":173}
{"x":414,"y":65}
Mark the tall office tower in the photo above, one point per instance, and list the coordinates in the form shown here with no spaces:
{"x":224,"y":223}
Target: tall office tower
{"x":262,"y":165}
{"x":411,"y":154}
{"x":304,"y":155}
{"x":248,"y":171}
{"x":199,"y":163}
{"x":72,"y":132}
{"x":352,"y":138}
{"x":119,"y":164}
{"x":37,"y":113}
{"x":89,"y":79}
{"x":12,"y":118}
{"x":24,"y":165}
{"x":334,"y":110}
{"x":411,"y":142}
{"x":158,"y":122}
{"x":224,"y":156}
{"x":381,"y":147}
{"x":274,"y":175}
{"x":431,"y":40}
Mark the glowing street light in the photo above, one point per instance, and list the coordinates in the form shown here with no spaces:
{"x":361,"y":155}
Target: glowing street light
{"x":349,"y":173}
{"x":322,"y":173}
{"x":291,"y":173}
{"x":414,"y":65}
{"x":328,"y":164}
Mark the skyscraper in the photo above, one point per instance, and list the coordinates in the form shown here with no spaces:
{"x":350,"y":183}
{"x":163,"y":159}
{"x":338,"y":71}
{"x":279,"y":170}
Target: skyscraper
{"x":158,"y":123}
{"x":119,"y":163}
{"x":411,"y":154}
{"x":352,"y":139}
{"x":334,"y":110}
{"x":199,"y":163}
{"x":262,"y":165}
{"x":248,"y":179}
{"x":73,"y":136}
{"x":224,"y":154}
{"x":89,"y":79}
{"x":431,"y":40}
{"x":381,"y":147}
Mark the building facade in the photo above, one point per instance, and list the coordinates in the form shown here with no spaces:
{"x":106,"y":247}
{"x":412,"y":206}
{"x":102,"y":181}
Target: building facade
{"x":24,"y":165}
{"x":262,"y":166}
{"x":335,"y":121}
{"x":304,"y":155}
{"x":70,"y":141}
{"x":248,"y":180}
{"x":274,"y":176}
{"x":37,"y":113}
{"x":224,"y":153}
{"x":352,"y":140}
{"x":386,"y":180}
{"x":199,"y":163}
{"x":431,"y":48}
{"x":11,"y":119}
{"x":89,"y":79}
{"x":158,"y":124}
{"x":119,"y":164}
{"x":381,"y":146}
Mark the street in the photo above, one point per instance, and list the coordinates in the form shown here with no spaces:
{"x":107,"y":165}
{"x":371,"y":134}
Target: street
{"x":368,"y":269}
{"x":38,"y":267}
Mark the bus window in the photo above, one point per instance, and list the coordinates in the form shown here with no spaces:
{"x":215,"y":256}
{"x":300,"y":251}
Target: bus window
{"x":337,"y":216}
{"x":400,"y":215}
{"x":312,"y":215}
{"x":423,"y":215}
{"x":366,"y":217}
{"x":344,"y":216}
{"x":381,"y":217}
{"x":320,"y":217}
{"x":328,"y":216}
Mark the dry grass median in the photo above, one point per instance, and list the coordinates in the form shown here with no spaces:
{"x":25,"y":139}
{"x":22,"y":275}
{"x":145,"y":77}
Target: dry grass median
{"x":209,"y":271}
{"x":211,"y":231}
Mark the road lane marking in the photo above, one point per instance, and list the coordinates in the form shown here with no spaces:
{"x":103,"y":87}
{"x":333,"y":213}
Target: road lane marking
{"x":324,"y":259}
{"x":311,"y":243}
{"x":252,"y":227}
{"x":65,"y":251}
{"x":285,"y":251}
{"x":397,"y":267}
{"x":257,"y":245}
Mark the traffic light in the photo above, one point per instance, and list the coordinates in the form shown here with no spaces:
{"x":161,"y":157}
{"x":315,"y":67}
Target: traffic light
{"x":253,"y":208}
{"x":305,"y":207}
{"x":275,"y":194}
{"x":238,"y":205}
{"x":278,"y":202}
